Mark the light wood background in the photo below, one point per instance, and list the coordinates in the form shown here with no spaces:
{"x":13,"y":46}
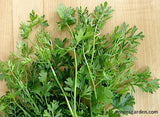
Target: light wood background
{"x":143,"y":13}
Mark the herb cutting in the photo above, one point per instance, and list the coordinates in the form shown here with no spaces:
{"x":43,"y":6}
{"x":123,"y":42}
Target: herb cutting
{"x":87,"y":75}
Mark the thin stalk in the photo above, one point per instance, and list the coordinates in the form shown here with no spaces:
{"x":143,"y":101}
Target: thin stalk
{"x":75,"y":87}
{"x":79,"y":102}
{"x":75,"y":58}
{"x":26,"y":79}
{"x":69,"y":106}
{"x":32,"y":100}
{"x":99,"y":82}
{"x":94,"y":40}
{"x":31,"y":41}
{"x":46,"y":100}
{"x":70,"y":30}
{"x":90,"y":73}
{"x":91,"y":103}
{"x":22,"y":108}
{"x":25,"y":91}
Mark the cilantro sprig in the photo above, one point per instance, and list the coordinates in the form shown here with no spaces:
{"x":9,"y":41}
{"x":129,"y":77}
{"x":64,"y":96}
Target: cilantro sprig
{"x":92,"y":76}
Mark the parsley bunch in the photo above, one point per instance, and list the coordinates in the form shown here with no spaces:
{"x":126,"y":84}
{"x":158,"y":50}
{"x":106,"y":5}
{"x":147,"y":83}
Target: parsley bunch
{"x":90,"y":76}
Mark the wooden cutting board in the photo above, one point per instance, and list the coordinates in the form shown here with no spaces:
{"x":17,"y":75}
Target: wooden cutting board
{"x":143,"y":13}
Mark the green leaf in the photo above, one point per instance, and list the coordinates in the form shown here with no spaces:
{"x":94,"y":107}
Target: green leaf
{"x":43,"y":76}
{"x":70,"y":85}
{"x":66,"y":15}
{"x":104,"y":95}
{"x":52,"y":110}
{"x":61,"y":10}
{"x":33,"y":16}
{"x":143,"y":81}
{"x":59,"y":43}
{"x":79,"y":35}
{"x":124,"y":102}
{"x":101,"y":14}
{"x":44,"y":23}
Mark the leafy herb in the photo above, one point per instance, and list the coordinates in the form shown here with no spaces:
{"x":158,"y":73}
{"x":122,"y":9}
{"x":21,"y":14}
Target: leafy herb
{"x":90,"y":77}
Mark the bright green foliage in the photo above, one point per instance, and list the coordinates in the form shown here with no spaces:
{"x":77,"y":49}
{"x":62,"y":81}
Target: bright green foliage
{"x":25,"y":29}
{"x":142,"y":81}
{"x":91,"y":76}
{"x":66,"y":15}
{"x":124,"y":102}
{"x":52,"y":110}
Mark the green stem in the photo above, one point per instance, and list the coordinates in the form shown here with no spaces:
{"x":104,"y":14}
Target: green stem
{"x":94,"y":40}
{"x":75,"y":87}
{"x":99,"y":82}
{"x":91,"y":102}
{"x":46,"y":100}
{"x":75,"y":58}
{"x":31,"y":41}
{"x":69,"y":106}
{"x":90,"y":73}
{"x":21,"y":108}
{"x":32,"y":100}
{"x":70,"y":30}
{"x":25,"y":90}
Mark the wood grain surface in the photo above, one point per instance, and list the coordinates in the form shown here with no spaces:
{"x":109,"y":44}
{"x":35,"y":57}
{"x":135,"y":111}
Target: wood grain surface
{"x":143,"y":13}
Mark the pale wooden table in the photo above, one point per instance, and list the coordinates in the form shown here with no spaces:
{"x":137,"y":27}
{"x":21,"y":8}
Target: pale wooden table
{"x":143,"y":13}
